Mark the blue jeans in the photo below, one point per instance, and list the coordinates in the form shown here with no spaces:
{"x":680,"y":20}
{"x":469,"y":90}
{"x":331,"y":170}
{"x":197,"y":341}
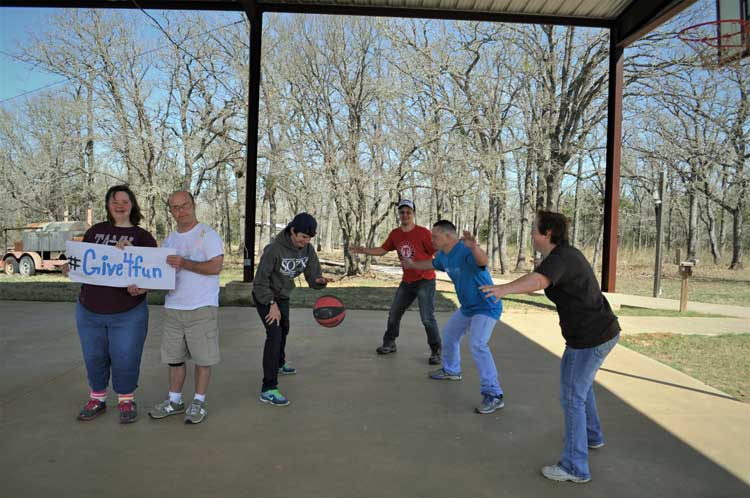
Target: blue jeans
{"x":424,"y":292}
{"x":582,"y":426}
{"x":113,"y":342}
{"x":480,"y":330}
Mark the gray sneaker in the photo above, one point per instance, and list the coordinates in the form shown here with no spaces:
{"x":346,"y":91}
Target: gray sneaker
{"x":557,"y":473}
{"x":196,"y":412}
{"x":490,"y":403}
{"x":165,"y":409}
{"x":441,"y":374}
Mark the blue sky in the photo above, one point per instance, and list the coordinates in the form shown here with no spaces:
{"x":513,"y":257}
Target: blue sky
{"x":17,"y":77}
{"x":16,"y":24}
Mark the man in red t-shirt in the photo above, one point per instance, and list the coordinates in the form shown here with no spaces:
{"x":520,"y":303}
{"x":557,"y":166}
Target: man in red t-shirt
{"x":413,"y":242}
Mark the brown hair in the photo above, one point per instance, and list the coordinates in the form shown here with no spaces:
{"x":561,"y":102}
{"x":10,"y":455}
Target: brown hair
{"x":135,"y":212}
{"x":557,"y":223}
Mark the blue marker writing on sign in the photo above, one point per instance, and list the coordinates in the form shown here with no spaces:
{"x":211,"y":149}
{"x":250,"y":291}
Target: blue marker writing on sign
{"x":90,"y":266}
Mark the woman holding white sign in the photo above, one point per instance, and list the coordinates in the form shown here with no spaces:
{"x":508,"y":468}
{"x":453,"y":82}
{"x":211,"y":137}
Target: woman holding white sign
{"x":113,"y":321}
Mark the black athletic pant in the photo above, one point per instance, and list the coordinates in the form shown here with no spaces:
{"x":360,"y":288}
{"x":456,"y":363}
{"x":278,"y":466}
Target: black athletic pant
{"x":273,"y":351}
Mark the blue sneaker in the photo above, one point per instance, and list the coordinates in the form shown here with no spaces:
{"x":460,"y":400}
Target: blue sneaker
{"x":490,"y":403}
{"x":274,"y":397}
{"x":287,"y":369}
{"x":441,"y":374}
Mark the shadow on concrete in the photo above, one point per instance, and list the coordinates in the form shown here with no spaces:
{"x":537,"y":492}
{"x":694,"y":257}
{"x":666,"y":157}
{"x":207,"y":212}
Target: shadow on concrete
{"x":359,"y":425}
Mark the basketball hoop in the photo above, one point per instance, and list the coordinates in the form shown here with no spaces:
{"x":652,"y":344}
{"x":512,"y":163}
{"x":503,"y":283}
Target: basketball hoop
{"x":719,"y":43}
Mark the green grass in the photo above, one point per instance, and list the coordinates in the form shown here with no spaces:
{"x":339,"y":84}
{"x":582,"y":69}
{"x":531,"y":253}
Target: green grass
{"x":720,"y":361}
{"x":707,"y":285}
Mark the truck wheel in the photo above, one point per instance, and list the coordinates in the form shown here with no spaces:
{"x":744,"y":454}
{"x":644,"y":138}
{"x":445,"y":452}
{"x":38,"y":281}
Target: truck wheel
{"x":11,"y":266}
{"x":26,"y":267}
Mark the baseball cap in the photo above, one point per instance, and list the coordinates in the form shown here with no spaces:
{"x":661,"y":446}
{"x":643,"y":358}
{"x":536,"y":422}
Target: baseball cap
{"x":407,"y":203}
{"x":304,"y":223}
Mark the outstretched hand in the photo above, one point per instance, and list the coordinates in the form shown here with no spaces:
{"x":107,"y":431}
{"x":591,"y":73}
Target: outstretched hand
{"x":469,"y":240}
{"x":495,"y":291}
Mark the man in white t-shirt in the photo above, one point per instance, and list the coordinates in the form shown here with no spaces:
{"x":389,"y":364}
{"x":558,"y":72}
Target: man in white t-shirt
{"x":190,"y":323}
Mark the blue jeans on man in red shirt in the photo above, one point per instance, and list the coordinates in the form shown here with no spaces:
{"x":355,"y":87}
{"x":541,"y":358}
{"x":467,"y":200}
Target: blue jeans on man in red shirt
{"x":424,"y":292}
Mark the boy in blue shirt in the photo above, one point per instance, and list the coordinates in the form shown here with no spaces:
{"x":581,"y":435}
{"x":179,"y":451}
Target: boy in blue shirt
{"x":466,"y":265}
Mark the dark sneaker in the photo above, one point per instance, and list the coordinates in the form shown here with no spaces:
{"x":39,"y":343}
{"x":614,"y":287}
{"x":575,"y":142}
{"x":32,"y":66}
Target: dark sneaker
{"x":435,"y":356}
{"x":128,"y":412}
{"x":274,"y":397}
{"x":596,"y":446}
{"x":287,"y":369}
{"x":93,"y":409}
{"x":490,"y":403}
{"x":165,"y":409}
{"x":441,"y":374}
{"x":196,"y":412}
{"x":557,"y":473}
{"x":387,"y":348}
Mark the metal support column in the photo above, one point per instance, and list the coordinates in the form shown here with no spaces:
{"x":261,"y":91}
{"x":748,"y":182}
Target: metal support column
{"x":612,"y":180}
{"x":255,"y":16}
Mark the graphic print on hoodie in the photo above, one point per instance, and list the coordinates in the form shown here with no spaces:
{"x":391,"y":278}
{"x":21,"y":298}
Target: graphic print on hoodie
{"x":280,"y":264}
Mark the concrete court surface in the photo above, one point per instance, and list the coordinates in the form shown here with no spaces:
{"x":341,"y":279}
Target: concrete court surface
{"x":359,"y":425}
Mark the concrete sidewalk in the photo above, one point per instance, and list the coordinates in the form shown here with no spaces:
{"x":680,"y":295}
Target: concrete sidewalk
{"x":657,"y":303}
{"x":689,"y":326}
{"x":359,"y":425}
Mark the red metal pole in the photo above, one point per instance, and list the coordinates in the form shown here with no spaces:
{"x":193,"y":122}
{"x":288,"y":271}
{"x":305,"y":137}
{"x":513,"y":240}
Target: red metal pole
{"x":612,"y":180}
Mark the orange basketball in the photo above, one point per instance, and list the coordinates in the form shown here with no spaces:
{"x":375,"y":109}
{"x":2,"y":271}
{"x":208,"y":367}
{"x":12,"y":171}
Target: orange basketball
{"x":329,"y":311}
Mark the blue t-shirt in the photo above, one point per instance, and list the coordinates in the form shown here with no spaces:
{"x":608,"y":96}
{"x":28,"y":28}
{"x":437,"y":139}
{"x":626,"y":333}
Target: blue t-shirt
{"x":467,"y":276}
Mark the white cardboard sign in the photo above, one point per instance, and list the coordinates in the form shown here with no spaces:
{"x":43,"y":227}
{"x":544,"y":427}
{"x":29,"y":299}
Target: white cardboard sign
{"x":101,"y":264}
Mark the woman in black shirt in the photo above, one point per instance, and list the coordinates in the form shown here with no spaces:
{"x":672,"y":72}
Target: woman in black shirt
{"x":589,"y":327}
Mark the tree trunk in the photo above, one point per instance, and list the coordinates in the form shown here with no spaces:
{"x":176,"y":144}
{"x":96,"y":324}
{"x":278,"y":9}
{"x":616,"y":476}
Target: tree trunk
{"x":692,"y":247}
{"x":737,"y":219}
{"x":272,"y":214}
{"x":502,"y":237}
{"x":722,"y":216}
{"x":598,"y":245}
{"x":577,"y":204}
{"x":710,"y":222}
{"x":329,"y":226}
{"x":262,"y":227}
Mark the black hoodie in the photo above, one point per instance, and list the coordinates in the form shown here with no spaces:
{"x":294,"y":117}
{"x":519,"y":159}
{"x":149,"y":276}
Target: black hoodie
{"x":280,"y":264}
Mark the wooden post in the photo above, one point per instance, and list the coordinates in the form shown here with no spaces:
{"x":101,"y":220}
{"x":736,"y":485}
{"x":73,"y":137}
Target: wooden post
{"x":686,"y":270}
{"x":684,"y":292}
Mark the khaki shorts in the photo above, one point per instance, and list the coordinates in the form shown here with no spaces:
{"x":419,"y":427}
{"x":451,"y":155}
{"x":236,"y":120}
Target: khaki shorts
{"x":191,"y":334}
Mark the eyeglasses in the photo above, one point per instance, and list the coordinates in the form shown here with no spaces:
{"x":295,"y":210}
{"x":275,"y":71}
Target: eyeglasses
{"x":181,"y":207}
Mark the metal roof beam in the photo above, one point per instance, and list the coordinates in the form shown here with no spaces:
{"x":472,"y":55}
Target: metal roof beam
{"x":442,"y":14}
{"x":324,"y":9}
{"x":643,"y":16}
{"x":128,"y":4}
